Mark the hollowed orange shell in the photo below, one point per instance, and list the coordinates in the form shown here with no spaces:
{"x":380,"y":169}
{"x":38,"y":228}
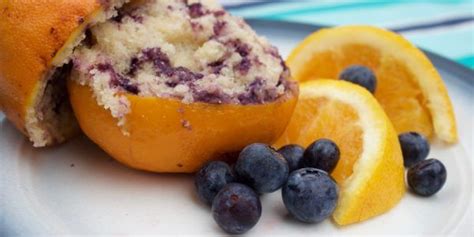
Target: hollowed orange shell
{"x":166,"y":135}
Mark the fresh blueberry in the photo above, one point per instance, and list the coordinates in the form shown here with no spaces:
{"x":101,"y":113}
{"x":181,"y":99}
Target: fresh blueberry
{"x":360,"y":75}
{"x":293,"y":154}
{"x":236,"y":208}
{"x":262,"y":168}
{"x":210,"y":179}
{"x":426,"y":177}
{"x":310,"y":195}
{"x":322,"y":154}
{"x":415,"y":148}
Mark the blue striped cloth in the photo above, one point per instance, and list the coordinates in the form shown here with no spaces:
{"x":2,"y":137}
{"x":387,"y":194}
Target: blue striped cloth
{"x":443,"y":27}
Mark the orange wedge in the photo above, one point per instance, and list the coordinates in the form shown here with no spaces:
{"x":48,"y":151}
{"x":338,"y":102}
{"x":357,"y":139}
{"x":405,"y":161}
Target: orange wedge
{"x":370,"y":171}
{"x":409,"y":88}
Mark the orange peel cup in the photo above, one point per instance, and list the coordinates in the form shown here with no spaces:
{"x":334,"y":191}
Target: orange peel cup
{"x":166,"y":135}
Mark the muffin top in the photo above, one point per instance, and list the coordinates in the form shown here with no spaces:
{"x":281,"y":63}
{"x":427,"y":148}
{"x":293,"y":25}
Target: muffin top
{"x":189,"y":50}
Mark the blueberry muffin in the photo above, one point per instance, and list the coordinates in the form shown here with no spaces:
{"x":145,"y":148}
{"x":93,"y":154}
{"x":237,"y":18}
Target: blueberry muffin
{"x":192,"y":51}
{"x":160,"y":85}
{"x":166,"y":86}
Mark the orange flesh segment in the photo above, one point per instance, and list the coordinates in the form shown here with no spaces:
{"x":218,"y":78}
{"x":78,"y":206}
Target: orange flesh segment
{"x":396,"y":90}
{"x":326,"y":118}
{"x":370,"y":171}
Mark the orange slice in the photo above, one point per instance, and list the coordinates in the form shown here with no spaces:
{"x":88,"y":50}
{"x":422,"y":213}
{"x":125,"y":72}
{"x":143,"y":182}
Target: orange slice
{"x":370,"y":171}
{"x":408,"y":86}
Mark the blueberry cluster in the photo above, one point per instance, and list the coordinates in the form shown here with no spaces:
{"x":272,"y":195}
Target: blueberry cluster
{"x":308,"y":192}
{"x":424,"y":177}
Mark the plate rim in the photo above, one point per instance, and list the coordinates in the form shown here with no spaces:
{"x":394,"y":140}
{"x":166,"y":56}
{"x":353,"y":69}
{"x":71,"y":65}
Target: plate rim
{"x":463,"y":73}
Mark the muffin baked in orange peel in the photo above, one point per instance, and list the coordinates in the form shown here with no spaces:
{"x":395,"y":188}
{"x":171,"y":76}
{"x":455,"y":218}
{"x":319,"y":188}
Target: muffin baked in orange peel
{"x":241,"y":91}
{"x":205,"y":86}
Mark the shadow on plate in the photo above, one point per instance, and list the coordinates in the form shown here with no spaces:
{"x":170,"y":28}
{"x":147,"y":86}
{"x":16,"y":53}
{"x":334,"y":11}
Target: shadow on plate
{"x":80,"y":160}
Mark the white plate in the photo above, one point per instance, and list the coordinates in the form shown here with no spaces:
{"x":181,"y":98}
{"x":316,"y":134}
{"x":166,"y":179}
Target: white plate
{"x":77,"y":189}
